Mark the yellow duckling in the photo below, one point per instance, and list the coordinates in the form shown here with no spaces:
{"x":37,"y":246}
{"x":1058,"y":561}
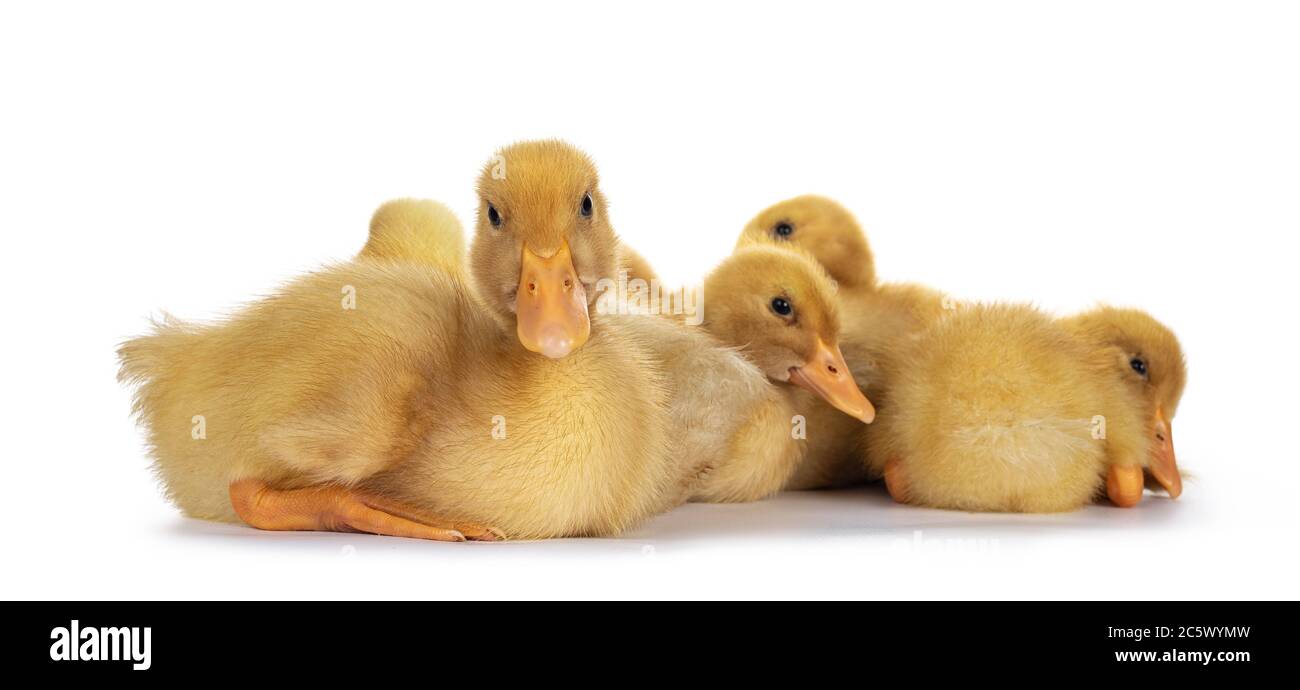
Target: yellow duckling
{"x":1007,"y":409}
{"x":825,"y":230}
{"x":877,"y":318}
{"x":389,"y":397}
{"x":1157,"y":374}
{"x":779,"y":308}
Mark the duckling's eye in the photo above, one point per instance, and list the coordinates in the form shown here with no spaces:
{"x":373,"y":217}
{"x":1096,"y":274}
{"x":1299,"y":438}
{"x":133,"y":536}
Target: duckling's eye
{"x":781,"y":306}
{"x":586,"y":205}
{"x":1139,"y":365}
{"x":493,"y":217}
{"x":783,"y":229}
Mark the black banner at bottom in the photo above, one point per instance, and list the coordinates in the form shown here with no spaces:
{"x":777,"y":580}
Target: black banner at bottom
{"x":1070,"y":640}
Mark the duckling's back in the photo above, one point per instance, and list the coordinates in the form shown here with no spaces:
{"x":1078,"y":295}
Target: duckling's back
{"x":731,"y":428}
{"x":310,"y":384}
{"x":992,"y":409}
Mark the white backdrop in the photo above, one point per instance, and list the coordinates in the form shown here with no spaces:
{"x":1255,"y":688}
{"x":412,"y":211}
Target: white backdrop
{"x":157,"y":156}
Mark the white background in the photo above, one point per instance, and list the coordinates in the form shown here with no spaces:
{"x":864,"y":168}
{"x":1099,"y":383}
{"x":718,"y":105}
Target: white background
{"x":154,"y":156}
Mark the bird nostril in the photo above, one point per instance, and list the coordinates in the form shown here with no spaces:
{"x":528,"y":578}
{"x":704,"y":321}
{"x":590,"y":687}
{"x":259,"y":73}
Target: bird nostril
{"x":832,"y":369}
{"x":1160,"y":437}
{"x":532,"y":288}
{"x":568,"y":283}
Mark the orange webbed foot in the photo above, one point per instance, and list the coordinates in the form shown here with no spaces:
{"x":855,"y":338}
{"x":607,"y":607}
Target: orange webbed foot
{"x":338,"y":509}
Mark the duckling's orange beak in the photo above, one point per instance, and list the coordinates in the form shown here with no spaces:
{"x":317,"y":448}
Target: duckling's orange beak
{"x":827,"y":375}
{"x":551,"y":304}
{"x":1163,"y":466}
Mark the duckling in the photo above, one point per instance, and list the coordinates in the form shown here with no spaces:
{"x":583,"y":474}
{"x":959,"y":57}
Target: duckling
{"x":825,"y":230}
{"x":1157,"y":374}
{"x":1007,"y":409}
{"x":391,"y":397}
{"x":716,"y":460}
{"x":877,"y":317}
{"x":779,"y":308}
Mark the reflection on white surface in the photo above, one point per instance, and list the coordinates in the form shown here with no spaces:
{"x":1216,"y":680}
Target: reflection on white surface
{"x":825,"y":544}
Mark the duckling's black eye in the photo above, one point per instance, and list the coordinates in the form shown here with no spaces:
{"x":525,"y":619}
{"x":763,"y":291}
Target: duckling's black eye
{"x":493,"y":217}
{"x":586,"y":205}
{"x":783,"y":229}
{"x":781,"y":306}
{"x":1139,"y":365}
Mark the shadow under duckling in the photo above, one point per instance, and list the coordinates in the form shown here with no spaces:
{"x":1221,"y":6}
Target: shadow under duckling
{"x":391,"y":397}
{"x":1007,"y":409}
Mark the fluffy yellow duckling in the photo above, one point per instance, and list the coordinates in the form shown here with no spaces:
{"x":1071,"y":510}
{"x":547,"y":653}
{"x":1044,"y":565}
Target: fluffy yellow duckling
{"x":1157,"y":374}
{"x":779,"y":308}
{"x":825,"y":230}
{"x":388,"y":397}
{"x":1007,"y":409}
{"x":877,"y":318}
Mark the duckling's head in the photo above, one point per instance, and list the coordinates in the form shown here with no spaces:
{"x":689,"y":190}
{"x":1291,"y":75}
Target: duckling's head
{"x":779,"y":306}
{"x":822,"y":228}
{"x":543,"y":240}
{"x":1148,"y":358}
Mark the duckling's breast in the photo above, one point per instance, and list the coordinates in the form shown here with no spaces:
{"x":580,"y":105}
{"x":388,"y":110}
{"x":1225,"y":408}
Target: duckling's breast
{"x":545,"y":448}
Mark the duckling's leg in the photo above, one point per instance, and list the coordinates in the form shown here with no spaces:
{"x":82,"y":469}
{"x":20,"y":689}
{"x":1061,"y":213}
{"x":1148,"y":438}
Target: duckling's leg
{"x":894,"y":480}
{"x":334,"y":508}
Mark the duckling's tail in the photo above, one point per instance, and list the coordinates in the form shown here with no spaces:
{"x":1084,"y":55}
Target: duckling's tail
{"x":145,"y":358}
{"x":416,"y":230}
{"x":166,"y":367}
